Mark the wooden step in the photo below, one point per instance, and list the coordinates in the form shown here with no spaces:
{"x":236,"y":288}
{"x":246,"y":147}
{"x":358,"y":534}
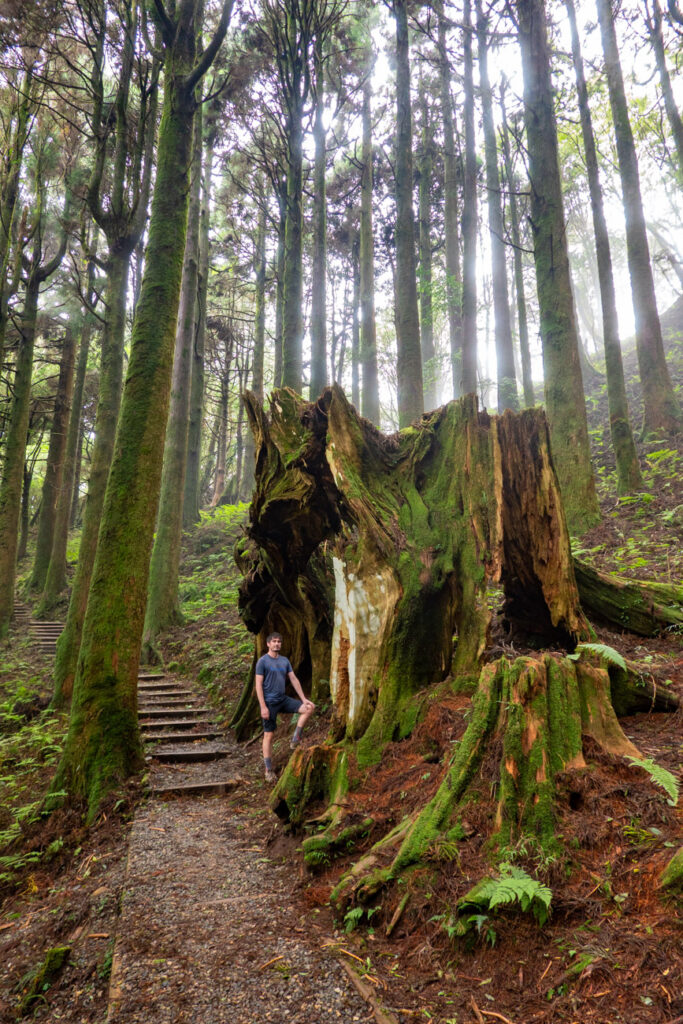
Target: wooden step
{"x":177,"y":723}
{"x":197,"y":788}
{"x":182,"y":737}
{"x":171,"y":712}
{"x":166,"y":700}
{"x":188,"y":755}
{"x":151,"y":675}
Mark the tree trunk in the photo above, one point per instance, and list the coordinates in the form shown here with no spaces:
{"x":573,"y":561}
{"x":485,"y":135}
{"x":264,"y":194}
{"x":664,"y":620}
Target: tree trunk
{"x":15,"y":445}
{"x":450,"y":186}
{"x":163,"y":606}
{"x":15,"y":448}
{"x":368,"y":340}
{"x":76,"y":494}
{"x":191,"y":502}
{"x":409,"y":362}
{"x":319,"y":259}
{"x":54,"y":469}
{"x":662,"y":412}
{"x":563,"y":384}
{"x":106,"y":417}
{"x":468,"y":384}
{"x":221,"y":443}
{"x":25,"y":517}
{"x":527,"y":380}
{"x":55,"y":582}
{"x":280,"y":291}
{"x":654,"y":24}
{"x":355,"y":324}
{"x":429,"y":368}
{"x":505,"y":360}
{"x":628,"y":468}
{"x":103,"y":746}
{"x":293,"y":318}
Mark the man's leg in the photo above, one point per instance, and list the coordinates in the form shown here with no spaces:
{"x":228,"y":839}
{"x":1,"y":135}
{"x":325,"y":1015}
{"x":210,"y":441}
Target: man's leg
{"x":268,"y":754}
{"x":304,"y":715}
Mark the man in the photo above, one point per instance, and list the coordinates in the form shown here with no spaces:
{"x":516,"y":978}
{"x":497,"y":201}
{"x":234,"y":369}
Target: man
{"x":272,"y":672}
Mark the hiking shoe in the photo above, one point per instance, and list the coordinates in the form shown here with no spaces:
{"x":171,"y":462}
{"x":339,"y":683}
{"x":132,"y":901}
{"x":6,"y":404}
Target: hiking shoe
{"x":294,"y":743}
{"x":270,"y":775}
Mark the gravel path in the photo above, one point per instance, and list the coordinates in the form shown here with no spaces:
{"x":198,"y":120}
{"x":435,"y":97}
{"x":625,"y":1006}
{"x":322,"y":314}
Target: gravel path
{"x":209,"y":930}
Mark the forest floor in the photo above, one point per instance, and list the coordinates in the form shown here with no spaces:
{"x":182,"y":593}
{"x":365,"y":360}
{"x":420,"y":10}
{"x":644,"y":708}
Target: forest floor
{"x":214,"y":916}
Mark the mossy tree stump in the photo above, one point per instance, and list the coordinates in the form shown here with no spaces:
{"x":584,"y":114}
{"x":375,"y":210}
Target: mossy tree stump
{"x":425,"y":531}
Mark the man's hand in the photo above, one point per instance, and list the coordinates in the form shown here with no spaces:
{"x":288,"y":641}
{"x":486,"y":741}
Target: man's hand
{"x":265,"y":713}
{"x":308,"y":705}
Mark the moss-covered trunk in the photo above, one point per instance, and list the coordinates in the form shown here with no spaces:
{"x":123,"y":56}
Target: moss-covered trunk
{"x":106,"y":416}
{"x":54,"y":467}
{"x":15,"y":447}
{"x":563,"y":382}
{"x":408,"y":359}
{"x":163,"y":607}
{"x":103,"y":743}
{"x":55,"y":581}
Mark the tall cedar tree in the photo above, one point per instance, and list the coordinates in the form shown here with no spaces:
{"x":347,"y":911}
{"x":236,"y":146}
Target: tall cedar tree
{"x":628,"y":469}
{"x":103,"y":746}
{"x":121,"y":216}
{"x":39,"y":267}
{"x":505,"y":360}
{"x":450,"y":187}
{"x":409,"y":361}
{"x":661,"y":411}
{"x":468,"y":383}
{"x":368,"y":334}
{"x":563,"y":383}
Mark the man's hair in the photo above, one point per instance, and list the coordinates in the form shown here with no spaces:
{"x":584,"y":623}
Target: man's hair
{"x":273,"y":636}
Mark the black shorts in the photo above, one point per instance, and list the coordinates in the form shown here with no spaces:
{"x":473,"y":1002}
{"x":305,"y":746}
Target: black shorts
{"x":286,"y":705}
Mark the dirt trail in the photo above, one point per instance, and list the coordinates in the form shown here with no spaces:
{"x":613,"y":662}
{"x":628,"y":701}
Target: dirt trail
{"x":211,"y":929}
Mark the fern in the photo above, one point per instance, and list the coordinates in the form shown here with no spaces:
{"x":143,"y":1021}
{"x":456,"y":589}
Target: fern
{"x":603,"y":651}
{"x":659,"y":775}
{"x":513,"y":885}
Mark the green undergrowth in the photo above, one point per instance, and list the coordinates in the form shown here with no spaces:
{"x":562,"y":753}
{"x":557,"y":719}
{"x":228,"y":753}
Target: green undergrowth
{"x":212,"y":642}
{"x":209,"y":576}
{"x":31,"y":739}
{"x":644,"y":530}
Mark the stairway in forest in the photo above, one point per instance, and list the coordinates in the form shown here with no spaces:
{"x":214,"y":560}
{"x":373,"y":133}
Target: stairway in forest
{"x":185,"y":746}
{"x":43,"y":633}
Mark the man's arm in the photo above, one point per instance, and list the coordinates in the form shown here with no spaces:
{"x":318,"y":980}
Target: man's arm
{"x":258,"y":686}
{"x":299,"y":689}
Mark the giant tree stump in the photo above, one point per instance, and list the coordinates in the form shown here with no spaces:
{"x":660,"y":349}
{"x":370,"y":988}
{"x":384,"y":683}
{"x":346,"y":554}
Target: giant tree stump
{"x":382,"y":560}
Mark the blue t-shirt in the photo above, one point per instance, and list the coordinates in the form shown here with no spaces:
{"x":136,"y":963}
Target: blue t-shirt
{"x":274,"y":672}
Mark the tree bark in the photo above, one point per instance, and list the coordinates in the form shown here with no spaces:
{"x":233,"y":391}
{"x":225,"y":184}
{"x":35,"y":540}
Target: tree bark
{"x":163,"y":606}
{"x":106,"y":417}
{"x":468,"y":383}
{"x":505,"y":360}
{"x":425,"y":168}
{"x":654,"y":25}
{"x":451,"y":228}
{"x":563,"y":383}
{"x":662,"y":412}
{"x":54,"y":469}
{"x":191,"y":502}
{"x":525,"y":355}
{"x":319,"y":262}
{"x":628,"y":469}
{"x":368,"y":339}
{"x":55,"y":582}
{"x":409,"y":362}
{"x":15,"y":445}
